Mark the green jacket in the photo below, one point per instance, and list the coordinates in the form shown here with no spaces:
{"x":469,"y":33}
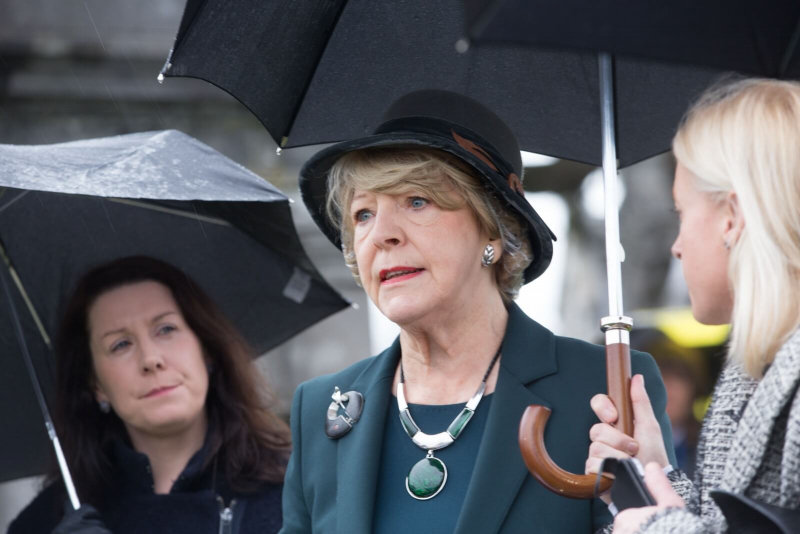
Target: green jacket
{"x":331,"y":485}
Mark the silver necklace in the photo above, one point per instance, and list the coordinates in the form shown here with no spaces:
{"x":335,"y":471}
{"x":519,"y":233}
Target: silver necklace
{"x":428,"y":476}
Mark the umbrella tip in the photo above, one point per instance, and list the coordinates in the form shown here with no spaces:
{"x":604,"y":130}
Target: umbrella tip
{"x":355,"y":306}
{"x":166,"y":67}
{"x":462,"y":45}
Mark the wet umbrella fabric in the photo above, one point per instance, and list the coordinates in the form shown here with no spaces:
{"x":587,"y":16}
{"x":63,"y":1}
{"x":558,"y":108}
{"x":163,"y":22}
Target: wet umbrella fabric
{"x":752,"y":37}
{"x":66,"y":207}
{"x":317,"y":72}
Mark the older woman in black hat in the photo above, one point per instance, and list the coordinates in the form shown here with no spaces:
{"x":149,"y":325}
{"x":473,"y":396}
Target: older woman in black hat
{"x":430,"y":214}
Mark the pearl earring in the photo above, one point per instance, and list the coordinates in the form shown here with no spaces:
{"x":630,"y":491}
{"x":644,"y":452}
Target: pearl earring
{"x":105,"y":407}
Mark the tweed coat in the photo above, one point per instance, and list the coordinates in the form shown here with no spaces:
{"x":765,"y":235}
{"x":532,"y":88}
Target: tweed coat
{"x":750,"y":445}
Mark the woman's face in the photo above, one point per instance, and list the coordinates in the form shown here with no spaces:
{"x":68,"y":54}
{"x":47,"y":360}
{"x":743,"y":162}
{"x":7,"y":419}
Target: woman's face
{"x":148,"y":363}
{"x":415,"y":258}
{"x":704,"y":226}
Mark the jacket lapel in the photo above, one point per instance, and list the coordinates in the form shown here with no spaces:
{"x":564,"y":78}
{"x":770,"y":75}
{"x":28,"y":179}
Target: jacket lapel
{"x":758,"y":420}
{"x":358,"y":453}
{"x":528,"y":354}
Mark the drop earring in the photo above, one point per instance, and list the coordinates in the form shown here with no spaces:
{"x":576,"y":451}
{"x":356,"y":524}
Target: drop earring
{"x":488,"y":256}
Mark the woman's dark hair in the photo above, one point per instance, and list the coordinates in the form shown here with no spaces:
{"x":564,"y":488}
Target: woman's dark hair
{"x":247,"y":443}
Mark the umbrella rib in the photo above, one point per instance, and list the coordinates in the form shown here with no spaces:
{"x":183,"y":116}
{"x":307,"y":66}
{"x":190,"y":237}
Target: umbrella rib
{"x":484,"y":17}
{"x":196,"y":216}
{"x":13,"y":200}
{"x":296,"y":111}
{"x":28,"y":303}
{"x":790,"y":49}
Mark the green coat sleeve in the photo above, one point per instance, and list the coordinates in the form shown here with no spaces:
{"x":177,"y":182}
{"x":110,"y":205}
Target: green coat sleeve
{"x":296,"y":516}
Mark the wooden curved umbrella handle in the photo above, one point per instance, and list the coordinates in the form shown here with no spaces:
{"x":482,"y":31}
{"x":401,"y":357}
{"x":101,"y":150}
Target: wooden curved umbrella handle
{"x":534,"y":420}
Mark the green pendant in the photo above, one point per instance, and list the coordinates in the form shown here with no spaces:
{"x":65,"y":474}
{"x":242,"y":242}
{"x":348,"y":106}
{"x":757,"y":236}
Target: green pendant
{"x":427,"y":478}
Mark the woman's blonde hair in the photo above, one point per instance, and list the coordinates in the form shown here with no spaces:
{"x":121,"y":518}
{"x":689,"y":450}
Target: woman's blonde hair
{"x":744,"y":136}
{"x":431,"y":173}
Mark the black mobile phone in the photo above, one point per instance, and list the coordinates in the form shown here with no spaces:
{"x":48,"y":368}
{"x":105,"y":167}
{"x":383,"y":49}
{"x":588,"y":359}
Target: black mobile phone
{"x":629,"y":489}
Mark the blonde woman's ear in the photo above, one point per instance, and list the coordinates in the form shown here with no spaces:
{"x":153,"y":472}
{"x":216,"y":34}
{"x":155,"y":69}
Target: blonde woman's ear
{"x":734,"y":221}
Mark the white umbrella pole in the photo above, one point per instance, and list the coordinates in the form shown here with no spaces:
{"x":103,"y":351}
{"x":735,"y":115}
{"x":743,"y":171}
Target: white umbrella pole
{"x":48,"y":421}
{"x":616,"y":326}
{"x":613,"y":247}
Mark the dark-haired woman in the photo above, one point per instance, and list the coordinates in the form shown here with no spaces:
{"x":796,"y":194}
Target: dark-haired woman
{"x":160,"y":416}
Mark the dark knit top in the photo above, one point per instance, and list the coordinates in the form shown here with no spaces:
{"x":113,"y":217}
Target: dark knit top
{"x":395,"y":510}
{"x":193,"y":505}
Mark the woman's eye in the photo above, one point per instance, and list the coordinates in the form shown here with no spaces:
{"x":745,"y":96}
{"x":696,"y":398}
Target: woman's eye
{"x":417,"y":202}
{"x":362,"y":216}
{"x":119,"y":345}
{"x":166,"y":329}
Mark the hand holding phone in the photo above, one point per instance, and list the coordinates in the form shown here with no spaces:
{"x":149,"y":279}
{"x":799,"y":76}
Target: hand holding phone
{"x":629,"y":489}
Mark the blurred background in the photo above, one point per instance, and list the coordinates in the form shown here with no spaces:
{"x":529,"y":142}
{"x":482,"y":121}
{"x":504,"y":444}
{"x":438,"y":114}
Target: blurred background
{"x":74,"y":69}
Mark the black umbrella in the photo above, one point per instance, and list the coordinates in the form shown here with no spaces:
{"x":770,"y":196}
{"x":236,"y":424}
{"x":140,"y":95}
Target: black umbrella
{"x":66,"y":207}
{"x":753,"y":37}
{"x":318,"y":72}
{"x":756,"y":37}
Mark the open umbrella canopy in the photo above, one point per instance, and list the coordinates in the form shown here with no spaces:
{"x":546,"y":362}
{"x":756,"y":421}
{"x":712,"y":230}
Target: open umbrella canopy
{"x":755,"y":37}
{"x":67,"y":207}
{"x":318,"y":72}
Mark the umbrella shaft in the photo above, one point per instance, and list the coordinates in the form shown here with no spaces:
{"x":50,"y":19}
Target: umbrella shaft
{"x":62,"y":463}
{"x":613,"y":247}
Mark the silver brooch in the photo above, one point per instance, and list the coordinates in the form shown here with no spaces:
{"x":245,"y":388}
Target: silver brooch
{"x":343,"y":413}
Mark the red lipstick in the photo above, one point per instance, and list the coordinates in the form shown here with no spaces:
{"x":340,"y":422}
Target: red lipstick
{"x":398,"y":274}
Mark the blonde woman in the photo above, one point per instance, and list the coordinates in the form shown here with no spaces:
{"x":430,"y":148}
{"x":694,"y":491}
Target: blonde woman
{"x":432,"y":219}
{"x":737,"y":191}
